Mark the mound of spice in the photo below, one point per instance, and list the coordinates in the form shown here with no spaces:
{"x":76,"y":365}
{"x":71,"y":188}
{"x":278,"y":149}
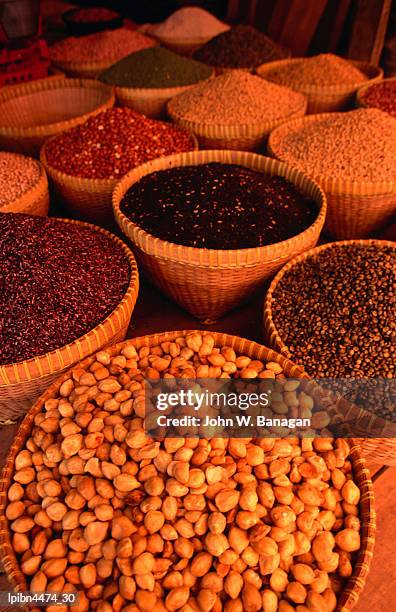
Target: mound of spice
{"x":93,"y":14}
{"x":335,"y":311}
{"x":359,"y":145}
{"x":189,"y":22}
{"x":101,"y":46}
{"x":113,"y":142}
{"x":218,"y":206}
{"x":382,"y":96}
{"x":240,"y":47}
{"x":155,"y":68}
{"x":323,"y":70}
{"x":253,"y":101}
{"x":18,"y":174}
{"x":60,"y":280}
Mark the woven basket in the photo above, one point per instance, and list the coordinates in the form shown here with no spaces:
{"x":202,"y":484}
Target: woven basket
{"x":83,"y":70}
{"x":360,"y":102}
{"x":151,"y":102}
{"x":21,"y":383}
{"x":40,"y":109}
{"x":183,"y":46}
{"x":86,"y":199}
{"x":356,"y":582}
{"x":248,"y":137}
{"x":379,"y":450}
{"x":35,"y":201}
{"x":208,"y":282}
{"x":327,"y":99}
{"x":355,"y":209}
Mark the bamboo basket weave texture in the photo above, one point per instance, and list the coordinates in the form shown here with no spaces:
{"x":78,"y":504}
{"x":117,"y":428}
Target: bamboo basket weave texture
{"x":40,"y":109}
{"x":380,"y":449}
{"x":21,"y":383}
{"x":208,"y":282}
{"x":349,"y":596}
{"x":356,"y":209}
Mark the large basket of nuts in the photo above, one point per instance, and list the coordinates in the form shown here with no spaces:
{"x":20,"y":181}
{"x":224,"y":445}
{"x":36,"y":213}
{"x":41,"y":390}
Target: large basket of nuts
{"x":352,"y":157}
{"x":90,"y":504}
{"x":71,"y":289}
{"x":211,"y":281}
{"x":34,"y":111}
{"x":347,"y":342}
{"x":24,"y":185}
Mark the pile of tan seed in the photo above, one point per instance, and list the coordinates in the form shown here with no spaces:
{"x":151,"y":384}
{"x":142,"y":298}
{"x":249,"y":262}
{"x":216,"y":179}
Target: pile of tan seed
{"x":133,"y":524}
{"x":18,"y":174}
{"x":236,"y":98}
{"x":359,"y":145}
{"x":319,"y":71}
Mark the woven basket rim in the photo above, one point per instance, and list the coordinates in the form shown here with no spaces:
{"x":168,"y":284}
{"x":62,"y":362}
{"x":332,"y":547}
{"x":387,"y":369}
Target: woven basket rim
{"x":335,"y":186}
{"x":188,"y":254}
{"x":237,"y":130}
{"x":85,"y":181}
{"x":50,"y":85}
{"x":182,"y":40}
{"x":154,"y":92}
{"x":361,"y":474}
{"x":36,"y":190}
{"x":365,"y":67}
{"x":43,"y":359}
{"x":269,"y":323}
{"x":364,"y":88}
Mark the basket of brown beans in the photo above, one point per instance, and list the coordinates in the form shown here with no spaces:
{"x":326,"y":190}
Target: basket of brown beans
{"x":91,"y":505}
{"x":209,"y":227}
{"x":23,"y":185}
{"x":33,"y":112}
{"x":71,"y":289}
{"x":354,"y":340}
{"x":85,"y":163}
{"x":235,"y":110}
{"x":328,"y":81}
{"x":379,"y":95}
{"x":352,"y":156}
{"x":148,"y":79}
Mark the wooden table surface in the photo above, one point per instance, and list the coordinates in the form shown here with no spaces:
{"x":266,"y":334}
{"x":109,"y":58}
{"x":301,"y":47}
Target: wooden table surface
{"x":155,"y":313}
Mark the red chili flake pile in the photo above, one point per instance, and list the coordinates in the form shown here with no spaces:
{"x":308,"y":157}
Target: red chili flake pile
{"x":58,"y":281}
{"x":101,"y":46}
{"x":92,"y":14}
{"x":218,"y":206}
{"x":382,"y":96}
{"x":111,"y":143}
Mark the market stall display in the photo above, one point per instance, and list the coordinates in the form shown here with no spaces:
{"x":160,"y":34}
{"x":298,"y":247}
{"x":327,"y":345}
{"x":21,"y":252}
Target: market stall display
{"x":352,"y":156}
{"x":235,"y":110}
{"x":209,"y":282}
{"x":241,"y":47}
{"x":84,"y":164}
{"x":188,"y":29}
{"x":329,"y":82}
{"x":23,"y":185}
{"x":148,"y":79}
{"x":87,"y":56}
{"x":380,"y":95}
{"x":143,"y":521}
{"x":71,"y":289}
{"x":35,"y":111}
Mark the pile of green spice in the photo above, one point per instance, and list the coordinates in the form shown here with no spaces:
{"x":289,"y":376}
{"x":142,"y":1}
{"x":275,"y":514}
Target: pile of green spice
{"x":236,"y":98}
{"x":240,"y":47}
{"x":382,"y":96}
{"x":59,"y":281}
{"x":218,"y":206}
{"x":319,"y":71}
{"x":335,"y":311}
{"x":113,"y":142}
{"x":155,"y":68}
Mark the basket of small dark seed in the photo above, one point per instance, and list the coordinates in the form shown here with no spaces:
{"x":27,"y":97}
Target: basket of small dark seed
{"x":71,"y":290}
{"x":209,"y":227}
{"x":332,"y":310}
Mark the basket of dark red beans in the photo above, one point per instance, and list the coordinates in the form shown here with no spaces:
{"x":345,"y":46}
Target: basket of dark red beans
{"x":332,"y":310}
{"x":70,"y":289}
{"x":209,"y":227}
{"x":88,"y":20}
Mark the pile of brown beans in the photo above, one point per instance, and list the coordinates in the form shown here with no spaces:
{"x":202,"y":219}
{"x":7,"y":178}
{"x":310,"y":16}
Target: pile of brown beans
{"x":134,"y":524}
{"x":18,"y":174}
